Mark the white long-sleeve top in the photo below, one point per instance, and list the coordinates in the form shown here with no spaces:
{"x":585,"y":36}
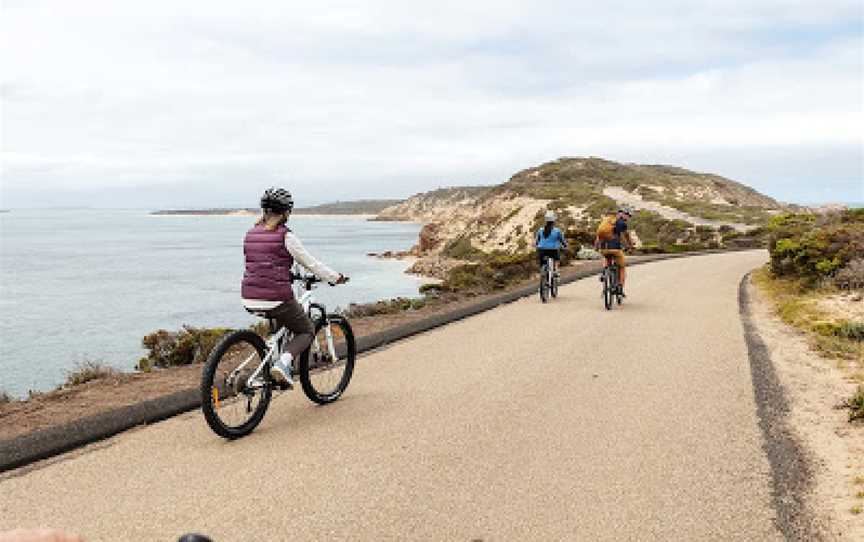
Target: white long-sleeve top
{"x":305,"y":259}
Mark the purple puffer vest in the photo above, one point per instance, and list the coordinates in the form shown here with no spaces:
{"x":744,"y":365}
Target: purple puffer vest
{"x":268,"y":265}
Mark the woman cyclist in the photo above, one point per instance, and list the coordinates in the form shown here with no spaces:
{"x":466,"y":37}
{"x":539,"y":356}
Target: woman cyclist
{"x":271,"y":250}
{"x":550,"y":241}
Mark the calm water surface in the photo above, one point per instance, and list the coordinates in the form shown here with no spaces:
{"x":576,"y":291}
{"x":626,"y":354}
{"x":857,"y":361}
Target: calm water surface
{"x":88,"y":285}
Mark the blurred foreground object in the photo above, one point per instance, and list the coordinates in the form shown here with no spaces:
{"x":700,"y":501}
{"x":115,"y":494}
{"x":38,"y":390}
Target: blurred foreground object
{"x":39,"y":535}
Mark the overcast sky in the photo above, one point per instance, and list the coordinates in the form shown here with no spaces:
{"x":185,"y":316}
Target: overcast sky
{"x":204,"y":103}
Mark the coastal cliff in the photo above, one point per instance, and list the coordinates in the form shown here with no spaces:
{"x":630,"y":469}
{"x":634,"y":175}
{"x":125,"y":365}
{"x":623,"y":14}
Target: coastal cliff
{"x":677,"y":209}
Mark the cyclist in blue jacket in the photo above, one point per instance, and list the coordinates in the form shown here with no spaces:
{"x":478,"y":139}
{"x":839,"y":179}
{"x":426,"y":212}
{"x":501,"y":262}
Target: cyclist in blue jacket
{"x":550,"y":241}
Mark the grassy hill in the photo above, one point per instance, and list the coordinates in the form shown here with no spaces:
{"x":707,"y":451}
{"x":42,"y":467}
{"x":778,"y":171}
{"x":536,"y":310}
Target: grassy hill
{"x":677,"y":209}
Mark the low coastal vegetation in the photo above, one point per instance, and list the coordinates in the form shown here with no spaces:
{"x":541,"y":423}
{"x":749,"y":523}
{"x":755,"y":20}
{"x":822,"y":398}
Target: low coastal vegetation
{"x":88,"y":371}
{"x":815,"y":280}
{"x":386,"y":306}
{"x":855,"y":404}
{"x":819,"y":248}
{"x":82,"y":373}
{"x":175,"y":348}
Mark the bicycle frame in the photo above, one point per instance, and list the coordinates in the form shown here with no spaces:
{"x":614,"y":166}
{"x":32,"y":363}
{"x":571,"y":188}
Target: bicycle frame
{"x":276,"y":341}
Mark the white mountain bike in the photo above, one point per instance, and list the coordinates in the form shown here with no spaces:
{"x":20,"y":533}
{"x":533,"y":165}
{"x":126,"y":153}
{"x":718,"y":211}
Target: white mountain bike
{"x":236,"y":386}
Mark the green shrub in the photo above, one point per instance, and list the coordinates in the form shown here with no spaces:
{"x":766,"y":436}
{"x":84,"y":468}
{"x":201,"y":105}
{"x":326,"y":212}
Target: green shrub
{"x":5,"y":397}
{"x":462,"y":249}
{"x":851,"y":276}
{"x":755,"y":238}
{"x":175,"y":348}
{"x":495,"y":272}
{"x":650,"y":249}
{"x":389,"y":306}
{"x":89,"y":371}
{"x":850,"y":330}
{"x":431,"y":289}
{"x":653,"y":229}
{"x":855,"y":404}
{"x":814,"y":247}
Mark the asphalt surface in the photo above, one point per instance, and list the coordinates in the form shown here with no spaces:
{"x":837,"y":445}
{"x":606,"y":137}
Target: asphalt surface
{"x":559,"y":421}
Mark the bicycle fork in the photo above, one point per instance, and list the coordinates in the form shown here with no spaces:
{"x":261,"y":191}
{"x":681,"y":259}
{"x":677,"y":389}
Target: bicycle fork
{"x":328,"y":333}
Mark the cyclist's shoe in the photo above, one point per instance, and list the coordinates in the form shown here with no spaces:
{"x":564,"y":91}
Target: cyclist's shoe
{"x":281,"y":373}
{"x":621,"y":291}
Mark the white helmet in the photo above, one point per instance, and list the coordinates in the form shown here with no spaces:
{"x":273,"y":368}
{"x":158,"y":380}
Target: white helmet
{"x":550,"y":216}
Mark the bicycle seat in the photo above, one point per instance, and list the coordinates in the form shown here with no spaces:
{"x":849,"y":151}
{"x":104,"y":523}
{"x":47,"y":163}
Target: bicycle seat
{"x":263,"y":313}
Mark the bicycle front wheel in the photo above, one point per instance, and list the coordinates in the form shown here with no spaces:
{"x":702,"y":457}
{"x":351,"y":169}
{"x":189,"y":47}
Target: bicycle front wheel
{"x":327,"y":365}
{"x":554,"y":288}
{"x":544,"y":285}
{"x":233,"y":397}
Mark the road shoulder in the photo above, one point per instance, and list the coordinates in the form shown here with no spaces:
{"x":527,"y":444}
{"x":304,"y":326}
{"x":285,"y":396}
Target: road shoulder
{"x":815,"y":454}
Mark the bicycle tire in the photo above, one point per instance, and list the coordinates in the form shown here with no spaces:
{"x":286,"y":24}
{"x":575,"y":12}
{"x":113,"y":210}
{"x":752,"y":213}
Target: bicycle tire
{"x":554,"y":288}
{"x":608,"y":285}
{"x":544,"y":285}
{"x":208,"y":396}
{"x":305,"y":368}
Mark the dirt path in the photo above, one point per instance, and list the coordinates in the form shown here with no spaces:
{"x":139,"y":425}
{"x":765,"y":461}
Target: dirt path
{"x":636,"y":201}
{"x":553,"y":422}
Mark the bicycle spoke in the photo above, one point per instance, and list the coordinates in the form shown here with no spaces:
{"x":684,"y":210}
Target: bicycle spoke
{"x":325,"y":371}
{"x":234,"y":399}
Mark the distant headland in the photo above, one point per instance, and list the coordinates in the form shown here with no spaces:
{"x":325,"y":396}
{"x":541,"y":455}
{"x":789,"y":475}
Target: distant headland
{"x":339,"y":208}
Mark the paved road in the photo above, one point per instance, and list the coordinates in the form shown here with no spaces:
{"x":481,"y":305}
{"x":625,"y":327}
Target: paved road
{"x":557,"y":422}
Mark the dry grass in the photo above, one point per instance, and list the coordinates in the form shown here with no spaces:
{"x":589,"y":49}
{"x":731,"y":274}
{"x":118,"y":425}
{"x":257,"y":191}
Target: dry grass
{"x":833,"y":337}
{"x":855,"y":404}
{"x":89,"y":371}
{"x":798,"y":306}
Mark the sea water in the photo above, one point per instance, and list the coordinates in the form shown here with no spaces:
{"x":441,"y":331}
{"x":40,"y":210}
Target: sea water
{"x":80,"y":285}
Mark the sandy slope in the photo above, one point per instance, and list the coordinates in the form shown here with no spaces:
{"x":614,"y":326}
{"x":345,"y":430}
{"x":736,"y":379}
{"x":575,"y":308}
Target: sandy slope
{"x":637,"y":202}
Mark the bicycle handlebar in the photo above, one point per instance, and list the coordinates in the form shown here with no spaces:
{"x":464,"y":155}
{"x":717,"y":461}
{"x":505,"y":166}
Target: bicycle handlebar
{"x":309,"y":280}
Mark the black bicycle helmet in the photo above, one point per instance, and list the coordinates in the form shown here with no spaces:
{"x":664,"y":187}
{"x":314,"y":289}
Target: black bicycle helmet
{"x":278,"y":200}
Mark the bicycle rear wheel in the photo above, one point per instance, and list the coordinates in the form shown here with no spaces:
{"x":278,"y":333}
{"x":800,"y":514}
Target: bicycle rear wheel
{"x":234,"y":404}
{"x":544,"y":284}
{"x":608,"y":287}
{"x":323,"y":375}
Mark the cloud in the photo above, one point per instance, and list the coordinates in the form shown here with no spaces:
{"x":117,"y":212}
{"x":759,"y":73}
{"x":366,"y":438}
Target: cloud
{"x":351,"y":99}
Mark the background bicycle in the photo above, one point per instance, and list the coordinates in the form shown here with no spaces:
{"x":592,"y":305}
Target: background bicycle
{"x":548,"y":280}
{"x":611,"y":286}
